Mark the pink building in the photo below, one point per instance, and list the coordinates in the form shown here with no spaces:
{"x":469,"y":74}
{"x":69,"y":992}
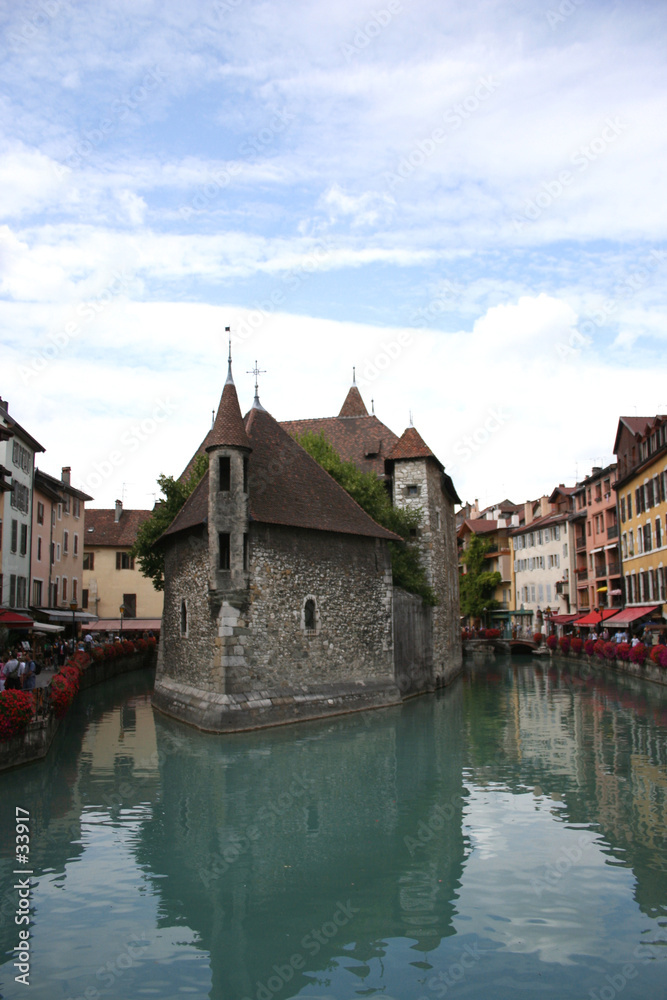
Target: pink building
{"x":596,"y":542}
{"x":57,"y":543}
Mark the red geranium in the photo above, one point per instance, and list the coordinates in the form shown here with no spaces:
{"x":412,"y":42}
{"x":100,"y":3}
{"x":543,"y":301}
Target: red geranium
{"x":16,"y":711}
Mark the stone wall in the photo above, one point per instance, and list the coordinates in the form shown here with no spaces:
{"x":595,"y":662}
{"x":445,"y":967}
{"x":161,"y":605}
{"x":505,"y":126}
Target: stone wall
{"x":437,"y":541}
{"x":348,"y":580}
{"x":413,"y":644}
{"x":189,"y":657}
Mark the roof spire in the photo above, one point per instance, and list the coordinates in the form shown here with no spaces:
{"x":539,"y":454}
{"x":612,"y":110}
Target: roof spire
{"x":354,"y":375}
{"x":411,"y":423}
{"x":230,"y":380}
{"x":256,"y":371}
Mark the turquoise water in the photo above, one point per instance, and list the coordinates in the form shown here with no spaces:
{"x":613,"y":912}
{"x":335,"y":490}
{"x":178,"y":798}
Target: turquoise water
{"x":506,"y":838}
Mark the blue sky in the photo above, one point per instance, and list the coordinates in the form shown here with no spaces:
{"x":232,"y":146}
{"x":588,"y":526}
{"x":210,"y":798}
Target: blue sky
{"x":463,"y":201}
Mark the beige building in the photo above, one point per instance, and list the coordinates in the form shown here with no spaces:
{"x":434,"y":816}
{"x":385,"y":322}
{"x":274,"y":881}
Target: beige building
{"x":110,"y":577}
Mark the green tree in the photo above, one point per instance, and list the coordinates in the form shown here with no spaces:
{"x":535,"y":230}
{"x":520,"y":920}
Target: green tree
{"x":175,"y":492}
{"x":370,"y":493}
{"x":477,"y":584}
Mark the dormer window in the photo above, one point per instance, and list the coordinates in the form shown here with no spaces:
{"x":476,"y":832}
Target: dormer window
{"x":225,"y":473}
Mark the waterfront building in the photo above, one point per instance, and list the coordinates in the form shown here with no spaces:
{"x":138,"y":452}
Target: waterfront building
{"x":541,"y":548}
{"x":111,"y":578}
{"x":494,"y":525}
{"x":596,"y":542}
{"x":17,"y":462}
{"x":279,"y":603}
{"x":641,"y":490}
{"x":58,"y":519}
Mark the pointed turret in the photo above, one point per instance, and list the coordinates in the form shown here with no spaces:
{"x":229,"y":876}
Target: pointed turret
{"x":354,"y":405}
{"x":228,"y":448}
{"x":410,"y":445}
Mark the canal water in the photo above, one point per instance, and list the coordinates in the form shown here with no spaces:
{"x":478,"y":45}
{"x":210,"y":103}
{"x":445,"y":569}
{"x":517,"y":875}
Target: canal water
{"x":505,"y":838}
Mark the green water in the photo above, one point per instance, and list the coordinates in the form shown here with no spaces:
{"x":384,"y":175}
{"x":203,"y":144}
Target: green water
{"x":506,"y":838}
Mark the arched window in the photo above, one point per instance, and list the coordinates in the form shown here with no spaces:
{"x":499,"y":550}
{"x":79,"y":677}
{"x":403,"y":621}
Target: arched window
{"x":309,"y":615}
{"x":184,"y":618}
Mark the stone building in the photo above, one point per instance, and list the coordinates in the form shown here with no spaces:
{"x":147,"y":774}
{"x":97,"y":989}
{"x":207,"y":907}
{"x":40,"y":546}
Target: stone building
{"x":278,"y":601}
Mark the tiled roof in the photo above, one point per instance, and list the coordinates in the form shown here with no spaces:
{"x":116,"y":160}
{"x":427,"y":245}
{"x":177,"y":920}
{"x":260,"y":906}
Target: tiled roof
{"x":366,"y":441}
{"x":540,"y":522}
{"x":286,"y":487}
{"x":411,"y":445}
{"x":354,"y":405}
{"x":228,"y":428}
{"x":101,"y":527}
{"x":478,"y":525}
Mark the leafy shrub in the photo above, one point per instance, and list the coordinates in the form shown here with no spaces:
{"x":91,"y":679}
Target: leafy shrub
{"x":491,"y":633}
{"x":564,"y":644}
{"x":16,"y":711}
{"x":576,"y":644}
{"x":623,"y":651}
{"x":552,"y":641}
{"x":589,"y":647}
{"x":537,"y":638}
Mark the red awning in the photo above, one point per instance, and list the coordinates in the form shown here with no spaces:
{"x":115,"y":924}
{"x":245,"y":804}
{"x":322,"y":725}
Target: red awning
{"x":11,"y":619}
{"x":561,"y":619}
{"x":593,"y":617}
{"x":632,"y":614}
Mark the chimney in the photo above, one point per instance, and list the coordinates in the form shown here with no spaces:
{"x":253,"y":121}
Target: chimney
{"x":4,"y":405}
{"x":119,"y":510}
{"x":65,"y":475}
{"x":528,"y":511}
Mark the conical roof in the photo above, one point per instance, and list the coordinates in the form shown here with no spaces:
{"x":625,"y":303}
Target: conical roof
{"x":354,"y":405}
{"x":228,"y":429}
{"x":411,"y":445}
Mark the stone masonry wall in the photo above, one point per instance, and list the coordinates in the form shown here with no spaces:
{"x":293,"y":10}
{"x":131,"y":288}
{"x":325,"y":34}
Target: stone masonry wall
{"x":349,"y":580}
{"x":437,"y":541}
{"x":190,"y":658}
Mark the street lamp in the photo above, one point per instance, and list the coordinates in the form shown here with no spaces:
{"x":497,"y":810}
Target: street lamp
{"x":72,"y":607}
{"x":122,"y":612}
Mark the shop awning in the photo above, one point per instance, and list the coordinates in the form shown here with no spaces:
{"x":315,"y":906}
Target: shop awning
{"x":60,"y":615}
{"x":129,"y":625}
{"x":593,"y":617}
{"x":561,"y":619}
{"x":633,"y":614}
{"x":12,"y":619}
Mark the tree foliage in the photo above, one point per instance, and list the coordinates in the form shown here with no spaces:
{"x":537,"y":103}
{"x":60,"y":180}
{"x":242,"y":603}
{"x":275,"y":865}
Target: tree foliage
{"x":477,"y":584}
{"x":371,"y":494}
{"x":175,"y":493}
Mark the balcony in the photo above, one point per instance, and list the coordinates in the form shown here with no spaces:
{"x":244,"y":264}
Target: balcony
{"x":582,"y":574}
{"x":612,"y":531}
{"x":614,"y":569}
{"x":563,"y":587}
{"x":580,"y":543}
{"x":601,"y":572}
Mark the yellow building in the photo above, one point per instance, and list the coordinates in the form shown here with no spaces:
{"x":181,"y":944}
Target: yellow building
{"x":641,"y":489}
{"x":110,"y":576}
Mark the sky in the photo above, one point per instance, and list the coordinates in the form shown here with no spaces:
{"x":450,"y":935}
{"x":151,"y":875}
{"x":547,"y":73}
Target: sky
{"x":463,"y":202}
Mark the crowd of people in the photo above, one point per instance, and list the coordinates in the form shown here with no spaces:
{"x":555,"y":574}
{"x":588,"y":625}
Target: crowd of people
{"x":19,"y":671}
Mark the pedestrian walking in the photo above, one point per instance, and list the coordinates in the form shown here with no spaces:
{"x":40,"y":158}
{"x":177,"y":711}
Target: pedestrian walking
{"x":12,"y":678}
